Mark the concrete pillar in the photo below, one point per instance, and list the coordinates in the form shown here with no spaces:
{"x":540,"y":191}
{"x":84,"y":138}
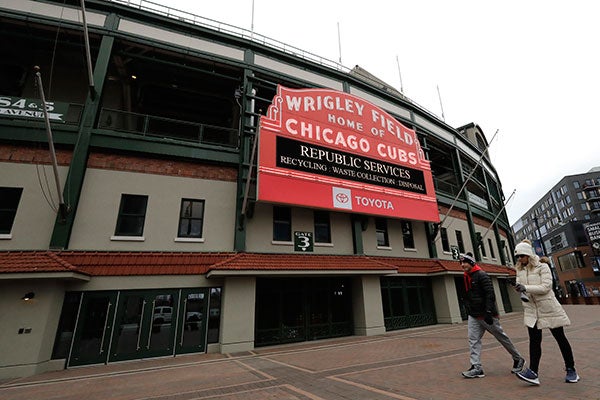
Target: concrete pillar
{"x":498,"y":294}
{"x":237,"y":314}
{"x":513,"y":297}
{"x":367,"y":307}
{"x":29,"y":328}
{"x":447,"y":308}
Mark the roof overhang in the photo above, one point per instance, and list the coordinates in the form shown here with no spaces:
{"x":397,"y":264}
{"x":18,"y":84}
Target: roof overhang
{"x":290,"y":273}
{"x":63,"y":276}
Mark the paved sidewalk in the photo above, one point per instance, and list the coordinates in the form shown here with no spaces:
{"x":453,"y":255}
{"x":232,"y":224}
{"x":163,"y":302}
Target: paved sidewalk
{"x":420,"y":363}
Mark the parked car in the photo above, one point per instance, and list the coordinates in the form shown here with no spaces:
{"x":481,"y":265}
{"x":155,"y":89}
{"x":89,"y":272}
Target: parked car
{"x":162,"y":314}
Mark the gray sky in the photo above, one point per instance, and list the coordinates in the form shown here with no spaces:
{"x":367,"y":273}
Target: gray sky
{"x":529,"y":69}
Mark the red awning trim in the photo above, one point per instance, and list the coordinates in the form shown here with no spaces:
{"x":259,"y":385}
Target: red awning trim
{"x":107,"y":263}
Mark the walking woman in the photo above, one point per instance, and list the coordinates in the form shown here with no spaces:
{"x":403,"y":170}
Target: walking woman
{"x":542,"y":311}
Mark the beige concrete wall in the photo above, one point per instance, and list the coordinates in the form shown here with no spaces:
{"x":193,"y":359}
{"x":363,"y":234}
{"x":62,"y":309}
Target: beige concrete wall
{"x":171,"y":37}
{"x":452,"y":225}
{"x":515,"y":300}
{"x":96,"y":219}
{"x":513,"y":296}
{"x":486,"y":243}
{"x":259,"y":237}
{"x":396,"y":247}
{"x":455,"y":224}
{"x":35,"y":217}
{"x":237,"y":316}
{"x":447,"y":308}
{"x":28,"y":354}
{"x":498,"y":294}
{"x":367,"y":307}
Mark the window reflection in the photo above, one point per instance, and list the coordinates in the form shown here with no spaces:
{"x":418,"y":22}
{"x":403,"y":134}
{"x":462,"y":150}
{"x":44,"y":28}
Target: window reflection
{"x":214,"y":315}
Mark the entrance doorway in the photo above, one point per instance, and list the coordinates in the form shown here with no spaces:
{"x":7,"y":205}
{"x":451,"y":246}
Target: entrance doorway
{"x":145,"y":325}
{"x":136,"y":324}
{"x":297,"y":310}
{"x":407,"y":302}
{"x":92,"y":334}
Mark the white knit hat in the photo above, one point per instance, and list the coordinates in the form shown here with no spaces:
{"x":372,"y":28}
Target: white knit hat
{"x":524,"y":248}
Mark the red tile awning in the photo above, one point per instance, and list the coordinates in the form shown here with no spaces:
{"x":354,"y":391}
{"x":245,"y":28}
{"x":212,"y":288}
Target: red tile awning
{"x":109,"y":263}
{"x":289,"y":264}
{"x":84,"y":264}
{"x":35,"y":264}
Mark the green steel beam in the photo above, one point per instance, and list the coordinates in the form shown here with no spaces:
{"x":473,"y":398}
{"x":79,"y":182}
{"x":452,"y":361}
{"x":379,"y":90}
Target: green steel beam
{"x":246,"y":144}
{"x":62,"y":228}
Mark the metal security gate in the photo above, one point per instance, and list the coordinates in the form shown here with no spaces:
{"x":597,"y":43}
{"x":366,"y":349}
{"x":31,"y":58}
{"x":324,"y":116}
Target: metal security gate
{"x":297,"y":310}
{"x":407,"y":302}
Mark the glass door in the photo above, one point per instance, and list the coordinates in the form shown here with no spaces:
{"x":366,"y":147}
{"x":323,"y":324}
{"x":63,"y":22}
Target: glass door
{"x":145,"y":325}
{"x":94,"y":326}
{"x":192,"y":328}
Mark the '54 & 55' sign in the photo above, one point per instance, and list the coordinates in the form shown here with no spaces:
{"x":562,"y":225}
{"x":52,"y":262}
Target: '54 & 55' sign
{"x":17,"y":107}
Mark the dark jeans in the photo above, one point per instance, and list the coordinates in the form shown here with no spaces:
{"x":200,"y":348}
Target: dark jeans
{"x":535,"y":347}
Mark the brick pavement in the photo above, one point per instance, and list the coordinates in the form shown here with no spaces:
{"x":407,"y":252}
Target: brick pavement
{"x":420,"y":363}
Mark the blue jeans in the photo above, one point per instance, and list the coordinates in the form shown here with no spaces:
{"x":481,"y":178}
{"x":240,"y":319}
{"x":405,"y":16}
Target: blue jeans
{"x":476,"y":329}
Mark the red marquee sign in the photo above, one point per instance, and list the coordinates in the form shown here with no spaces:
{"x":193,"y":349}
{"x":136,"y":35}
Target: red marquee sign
{"x":327,"y":149}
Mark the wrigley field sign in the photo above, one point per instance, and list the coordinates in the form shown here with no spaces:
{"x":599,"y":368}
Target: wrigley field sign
{"x":327,"y":149}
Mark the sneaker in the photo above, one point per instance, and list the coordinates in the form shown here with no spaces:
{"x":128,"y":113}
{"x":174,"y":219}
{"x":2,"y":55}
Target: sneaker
{"x":572,"y":376}
{"x":474,"y":372}
{"x":518,"y":365}
{"x":528,"y":376}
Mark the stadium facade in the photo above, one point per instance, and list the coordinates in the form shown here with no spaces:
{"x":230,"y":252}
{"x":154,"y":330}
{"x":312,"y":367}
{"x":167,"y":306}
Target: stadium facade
{"x":208,"y":189}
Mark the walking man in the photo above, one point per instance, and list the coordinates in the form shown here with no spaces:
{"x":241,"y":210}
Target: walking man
{"x":483,"y":316}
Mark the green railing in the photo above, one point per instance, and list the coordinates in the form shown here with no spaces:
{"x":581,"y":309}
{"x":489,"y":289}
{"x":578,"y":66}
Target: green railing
{"x":167,"y":128}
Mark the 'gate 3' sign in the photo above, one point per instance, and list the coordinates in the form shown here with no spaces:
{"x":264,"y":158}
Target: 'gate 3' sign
{"x":328,"y":149}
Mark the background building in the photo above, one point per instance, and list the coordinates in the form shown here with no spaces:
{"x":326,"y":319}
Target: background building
{"x":161,"y":245}
{"x":559,"y":224}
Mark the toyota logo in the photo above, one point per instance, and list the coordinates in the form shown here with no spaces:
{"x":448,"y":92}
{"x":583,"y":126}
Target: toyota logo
{"x":342,"y":197}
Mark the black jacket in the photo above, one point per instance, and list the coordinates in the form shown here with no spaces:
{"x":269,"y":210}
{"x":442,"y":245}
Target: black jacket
{"x":480,"y":298}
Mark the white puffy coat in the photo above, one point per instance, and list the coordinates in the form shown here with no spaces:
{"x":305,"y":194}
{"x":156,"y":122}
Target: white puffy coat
{"x":543,"y":308}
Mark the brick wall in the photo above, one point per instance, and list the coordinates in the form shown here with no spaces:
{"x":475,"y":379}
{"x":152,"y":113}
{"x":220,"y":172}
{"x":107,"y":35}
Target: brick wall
{"x":121,"y":162}
{"x":32,"y":155}
{"x":188,"y":169}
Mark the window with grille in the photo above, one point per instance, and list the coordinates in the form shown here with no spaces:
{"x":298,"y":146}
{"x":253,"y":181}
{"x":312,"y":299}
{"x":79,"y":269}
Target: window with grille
{"x":132,"y":214}
{"x":556,"y":243}
{"x":445,"y":241}
{"x":322,"y":227}
{"x":191,"y":218}
{"x":480,"y":240}
{"x":9,"y":202}
{"x":407,"y":235}
{"x":571,"y":261}
{"x":459,"y":241}
{"x":491,"y":248}
{"x":282,"y":224}
{"x":381,"y":232}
